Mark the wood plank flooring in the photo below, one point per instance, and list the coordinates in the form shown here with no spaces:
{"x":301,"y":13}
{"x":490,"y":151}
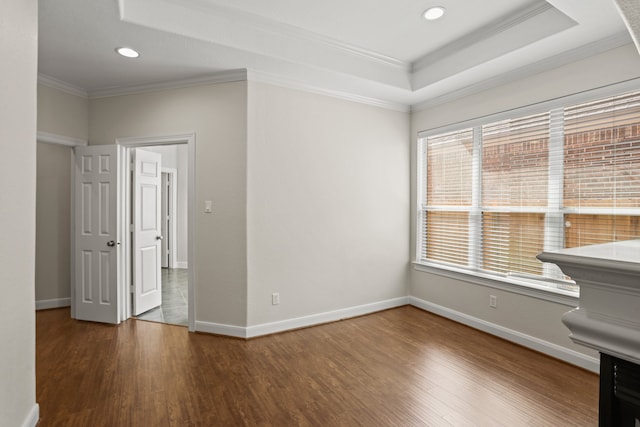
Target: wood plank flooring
{"x":401,"y":367}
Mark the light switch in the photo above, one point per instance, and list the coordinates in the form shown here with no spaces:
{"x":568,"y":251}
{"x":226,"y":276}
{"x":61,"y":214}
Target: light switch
{"x":208,"y":206}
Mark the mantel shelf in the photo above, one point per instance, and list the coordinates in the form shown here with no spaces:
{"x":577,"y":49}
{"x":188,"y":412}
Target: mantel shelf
{"x":608,"y":316}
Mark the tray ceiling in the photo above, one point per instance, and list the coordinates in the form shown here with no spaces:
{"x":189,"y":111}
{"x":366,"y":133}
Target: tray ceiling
{"x":371,"y":49}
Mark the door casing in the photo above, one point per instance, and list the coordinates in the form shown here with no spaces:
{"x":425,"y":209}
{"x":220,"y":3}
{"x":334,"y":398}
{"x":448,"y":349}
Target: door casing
{"x":169,"y":243}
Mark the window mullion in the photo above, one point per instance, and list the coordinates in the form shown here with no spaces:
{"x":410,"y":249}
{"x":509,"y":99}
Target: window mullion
{"x":475,"y":214}
{"x":554,"y":218}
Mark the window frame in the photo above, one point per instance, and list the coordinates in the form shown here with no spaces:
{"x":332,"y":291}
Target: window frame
{"x":538,"y":288}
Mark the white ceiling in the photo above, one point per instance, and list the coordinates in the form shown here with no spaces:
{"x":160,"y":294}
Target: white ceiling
{"x":379,"y":50}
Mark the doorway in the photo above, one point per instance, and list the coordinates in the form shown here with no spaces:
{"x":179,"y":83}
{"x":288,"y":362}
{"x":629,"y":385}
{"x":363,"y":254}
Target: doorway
{"x":174,"y":268}
{"x":112,"y":287}
{"x":181,"y":277}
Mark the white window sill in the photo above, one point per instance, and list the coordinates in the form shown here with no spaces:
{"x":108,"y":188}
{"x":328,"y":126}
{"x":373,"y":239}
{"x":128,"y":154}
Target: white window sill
{"x":509,"y":284}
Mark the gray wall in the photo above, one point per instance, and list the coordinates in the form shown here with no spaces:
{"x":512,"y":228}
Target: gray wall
{"x":217,"y":114}
{"x":19,"y":48}
{"x":64,"y":114}
{"x":53,"y":223}
{"x":328,"y":200}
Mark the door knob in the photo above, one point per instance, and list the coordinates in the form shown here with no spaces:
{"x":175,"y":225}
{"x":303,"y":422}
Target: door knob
{"x":159,"y":237}
{"x":111,"y":243}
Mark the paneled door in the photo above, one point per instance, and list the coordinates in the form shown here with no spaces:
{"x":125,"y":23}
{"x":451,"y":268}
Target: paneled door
{"x":147,"y":237}
{"x":97,"y":264}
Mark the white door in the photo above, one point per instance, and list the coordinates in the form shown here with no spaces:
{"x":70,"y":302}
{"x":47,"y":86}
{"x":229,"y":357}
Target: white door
{"x":97,"y":264}
{"x":147,"y":237}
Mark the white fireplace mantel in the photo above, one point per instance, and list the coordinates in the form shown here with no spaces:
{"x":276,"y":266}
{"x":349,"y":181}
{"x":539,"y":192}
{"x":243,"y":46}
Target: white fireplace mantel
{"x":608,"y":316}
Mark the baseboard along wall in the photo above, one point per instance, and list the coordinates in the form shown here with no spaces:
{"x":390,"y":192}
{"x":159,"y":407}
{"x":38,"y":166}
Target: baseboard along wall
{"x":33,"y":417}
{"x":53,"y":303}
{"x":570,"y":356}
{"x":298,"y":322}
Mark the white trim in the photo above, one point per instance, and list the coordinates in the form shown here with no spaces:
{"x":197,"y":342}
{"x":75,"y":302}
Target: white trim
{"x":54,"y":83}
{"x":45,"y":304}
{"x":510,"y":284}
{"x":72,"y":231}
{"x":183,"y":138}
{"x":181,"y":264}
{"x":220,"y":329}
{"x":564,"y":58}
{"x":570,"y":356}
{"x":272,"y":79}
{"x":490,"y":30}
{"x":299,"y":322}
{"x":173,"y":206}
{"x":216,"y":78}
{"x":141,"y":141}
{"x":33,"y":417}
{"x":326,"y":317}
{"x":124,"y":237}
{"x":540,"y":107}
{"x":263,"y":26}
{"x":52,"y":138}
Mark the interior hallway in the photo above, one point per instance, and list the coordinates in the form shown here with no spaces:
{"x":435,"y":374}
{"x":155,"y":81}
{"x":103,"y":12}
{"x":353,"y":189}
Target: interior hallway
{"x":175,"y":307}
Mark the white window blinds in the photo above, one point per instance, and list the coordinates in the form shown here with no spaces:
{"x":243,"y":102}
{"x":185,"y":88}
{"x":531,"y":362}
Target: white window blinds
{"x":448,"y":174}
{"x":515,"y":169}
{"x":602,"y":171}
{"x":495,"y":195}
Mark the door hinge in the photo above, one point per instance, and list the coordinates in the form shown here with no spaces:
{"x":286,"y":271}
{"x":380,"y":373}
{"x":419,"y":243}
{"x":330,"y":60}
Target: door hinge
{"x":131,"y":289}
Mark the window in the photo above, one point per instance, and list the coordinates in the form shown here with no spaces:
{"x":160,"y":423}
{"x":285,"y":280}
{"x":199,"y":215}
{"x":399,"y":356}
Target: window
{"x":495,"y":193}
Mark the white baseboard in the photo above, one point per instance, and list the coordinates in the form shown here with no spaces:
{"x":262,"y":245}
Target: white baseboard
{"x":298,"y":322}
{"x":33,"y":417}
{"x":45,"y":304}
{"x":329,"y":316}
{"x":221,"y":329}
{"x":181,"y":264}
{"x":570,"y":356}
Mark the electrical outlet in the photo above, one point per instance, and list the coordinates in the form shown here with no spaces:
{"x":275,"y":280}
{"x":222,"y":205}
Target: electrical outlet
{"x":493,"y":301}
{"x":275,"y":298}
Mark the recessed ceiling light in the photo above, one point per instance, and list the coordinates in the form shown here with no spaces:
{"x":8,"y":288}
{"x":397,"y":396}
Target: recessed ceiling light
{"x":127,"y":52}
{"x":434,"y":13}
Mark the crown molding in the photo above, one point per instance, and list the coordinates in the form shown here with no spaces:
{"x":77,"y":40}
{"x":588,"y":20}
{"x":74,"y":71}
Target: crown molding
{"x":287,"y":30}
{"x":630,"y":14}
{"x":261,"y":77}
{"x":54,"y":83}
{"x":564,"y":58}
{"x":496,"y":27}
{"x":236,"y":76}
{"x":216,"y":78}
{"x":53,"y":138}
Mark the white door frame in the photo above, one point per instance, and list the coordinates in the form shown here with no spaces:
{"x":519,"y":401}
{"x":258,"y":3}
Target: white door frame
{"x":133,"y":142}
{"x":172,"y":201}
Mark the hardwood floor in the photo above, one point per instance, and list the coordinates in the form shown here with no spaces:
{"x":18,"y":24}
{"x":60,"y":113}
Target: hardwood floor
{"x":401,"y":367}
